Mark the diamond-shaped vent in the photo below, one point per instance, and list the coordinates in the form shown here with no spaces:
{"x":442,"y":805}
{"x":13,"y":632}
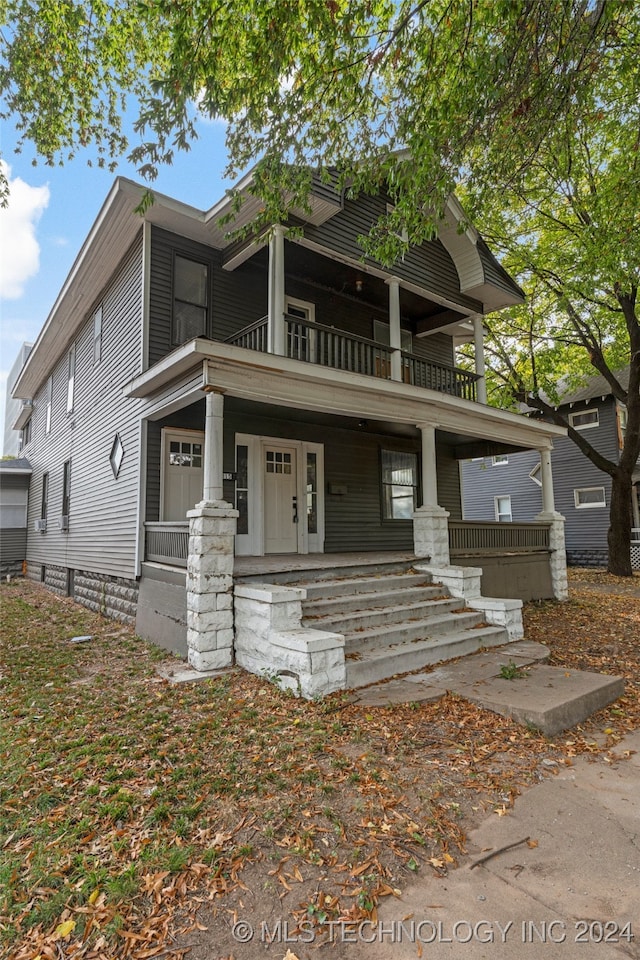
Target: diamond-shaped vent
{"x":117,"y":455}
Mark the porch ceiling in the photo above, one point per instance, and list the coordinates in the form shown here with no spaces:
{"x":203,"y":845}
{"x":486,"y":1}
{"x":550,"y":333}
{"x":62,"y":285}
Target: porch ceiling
{"x":271,"y":379}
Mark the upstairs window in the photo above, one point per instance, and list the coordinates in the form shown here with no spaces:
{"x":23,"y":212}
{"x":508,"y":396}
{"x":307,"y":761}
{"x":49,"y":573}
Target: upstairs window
{"x":97,"y":335}
{"x":585,"y":419}
{"x":190,"y":299}
{"x":623,"y":417}
{"x":47,"y":426}
{"x":399,"y":482}
{"x":71,"y":378}
{"x":25,"y":435}
{"x":500,"y":460}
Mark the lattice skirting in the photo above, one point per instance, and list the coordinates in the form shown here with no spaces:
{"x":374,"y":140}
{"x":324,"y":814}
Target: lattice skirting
{"x":635,"y":556}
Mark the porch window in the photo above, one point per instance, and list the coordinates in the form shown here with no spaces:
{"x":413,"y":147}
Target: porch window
{"x":190,"y":299}
{"x":242,"y":487}
{"x":503,"y":509}
{"x":500,"y":460}
{"x":399,"y":482}
{"x":300,"y":337}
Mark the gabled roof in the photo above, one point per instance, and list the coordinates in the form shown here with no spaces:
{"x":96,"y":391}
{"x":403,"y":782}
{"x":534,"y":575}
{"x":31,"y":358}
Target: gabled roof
{"x":596,"y":386}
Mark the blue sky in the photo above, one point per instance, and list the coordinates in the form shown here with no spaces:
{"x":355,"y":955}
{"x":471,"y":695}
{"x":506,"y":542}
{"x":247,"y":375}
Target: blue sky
{"x":52,"y":209}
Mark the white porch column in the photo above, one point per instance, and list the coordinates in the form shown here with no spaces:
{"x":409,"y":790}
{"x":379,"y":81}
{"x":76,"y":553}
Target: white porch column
{"x":478,"y":345}
{"x":276,"y":338}
{"x":429,"y":471}
{"x":213,"y":447}
{"x":212,"y":528}
{"x":395,"y":338}
{"x":430,"y":527}
{"x":546,"y":477}
{"x":558,"y":558}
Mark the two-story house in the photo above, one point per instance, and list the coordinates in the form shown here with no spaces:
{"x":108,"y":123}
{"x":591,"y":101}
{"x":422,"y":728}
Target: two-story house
{"x":508,"y":487}
{"x":249,"y":409}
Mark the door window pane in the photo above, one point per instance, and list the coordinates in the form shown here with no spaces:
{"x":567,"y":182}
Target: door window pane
{"x":242,"y":492}
{"x":312,"y":493}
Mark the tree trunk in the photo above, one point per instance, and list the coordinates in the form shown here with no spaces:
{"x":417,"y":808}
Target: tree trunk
{"x":620,"y":523}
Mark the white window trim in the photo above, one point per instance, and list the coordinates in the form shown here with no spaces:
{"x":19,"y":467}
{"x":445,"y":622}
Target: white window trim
{"x":71,"y":377}
{"x":581,"y":413}
{"x":191,"y":436}
{"x":589,"y":506}
{"x":252,"y":543}
{"x":501,"y":460}
{"x":414,"y":486}
{"x":534,"y":474}
{"x":303,"y":305}
{"x":97,"y":336}
{"x":503,"y":496}
{"x":47,"y":426}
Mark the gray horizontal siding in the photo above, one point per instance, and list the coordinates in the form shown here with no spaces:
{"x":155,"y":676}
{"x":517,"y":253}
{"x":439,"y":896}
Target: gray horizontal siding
{"x":428,"y":265}
{"x":239,"y":297}
{"x":190,"y":418}
{"x":103,"y":510}
{"x":13,"y":546}
{"x":585,"y":528}
{"x":352,"y":459}
{"x":236,"y":298}
{"x":482,"y":482}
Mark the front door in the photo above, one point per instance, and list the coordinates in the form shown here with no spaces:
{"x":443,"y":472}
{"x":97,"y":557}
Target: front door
{"x":280,"y":499}
{"x":183,"y":472}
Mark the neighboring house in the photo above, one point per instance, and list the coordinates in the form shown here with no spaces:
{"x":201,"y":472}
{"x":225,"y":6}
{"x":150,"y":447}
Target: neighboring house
{"x":299,"y":402}
{"x":16,"y":412}
{"x":508,"y":487}
{"x":15,"y":475}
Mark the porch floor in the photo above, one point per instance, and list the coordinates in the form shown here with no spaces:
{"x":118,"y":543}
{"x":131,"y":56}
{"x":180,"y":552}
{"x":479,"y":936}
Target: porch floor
{"x":289,"y":562}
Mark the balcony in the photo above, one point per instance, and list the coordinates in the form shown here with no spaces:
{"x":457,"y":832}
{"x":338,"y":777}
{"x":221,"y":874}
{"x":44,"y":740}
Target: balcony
{"x":329,"y":347}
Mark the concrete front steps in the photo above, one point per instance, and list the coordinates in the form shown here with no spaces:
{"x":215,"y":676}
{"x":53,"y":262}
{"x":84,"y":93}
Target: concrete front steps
{"x":393,"y":620}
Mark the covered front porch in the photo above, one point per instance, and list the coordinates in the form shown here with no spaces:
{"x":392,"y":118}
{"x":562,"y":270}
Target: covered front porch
{"x":343,"y":486}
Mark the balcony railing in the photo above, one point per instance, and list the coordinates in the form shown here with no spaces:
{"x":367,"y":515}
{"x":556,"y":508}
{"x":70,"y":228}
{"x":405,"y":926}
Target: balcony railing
{"x":168,"y":542}
{"x":476,"y":536}
{"x":329,"y":347}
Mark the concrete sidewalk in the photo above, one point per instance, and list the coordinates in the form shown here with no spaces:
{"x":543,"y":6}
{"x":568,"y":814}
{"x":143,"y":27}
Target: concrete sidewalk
{"x":576,"y":894}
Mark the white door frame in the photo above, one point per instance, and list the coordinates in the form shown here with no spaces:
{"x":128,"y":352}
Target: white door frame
{"x":188,"y":433}
{"x":252,"y":543}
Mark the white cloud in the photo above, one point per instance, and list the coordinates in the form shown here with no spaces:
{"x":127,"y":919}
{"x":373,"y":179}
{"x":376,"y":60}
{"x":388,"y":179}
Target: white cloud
{"x":20,"y":248}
